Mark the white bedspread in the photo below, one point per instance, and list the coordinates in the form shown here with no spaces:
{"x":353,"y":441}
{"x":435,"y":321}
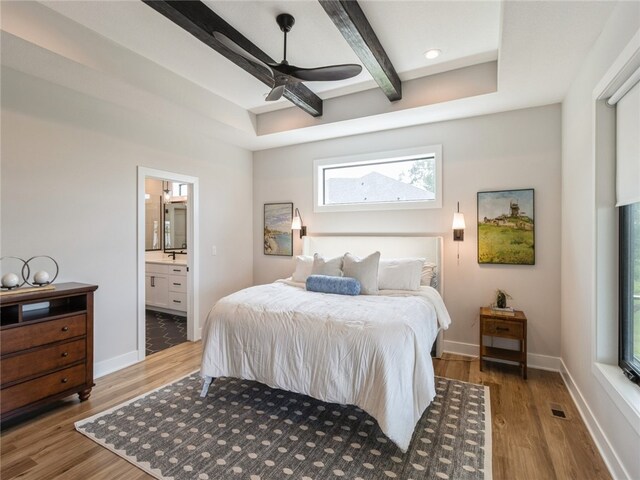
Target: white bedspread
{"x":372,"y":351}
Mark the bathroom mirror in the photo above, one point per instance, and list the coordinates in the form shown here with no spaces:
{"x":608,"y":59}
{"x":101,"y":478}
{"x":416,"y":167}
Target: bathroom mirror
{"x":153,"y":222}
{"x":175,"y":226}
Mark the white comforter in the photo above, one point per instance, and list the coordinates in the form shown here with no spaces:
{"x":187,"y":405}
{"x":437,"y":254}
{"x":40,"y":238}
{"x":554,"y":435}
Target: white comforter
{"x":372,"y":351}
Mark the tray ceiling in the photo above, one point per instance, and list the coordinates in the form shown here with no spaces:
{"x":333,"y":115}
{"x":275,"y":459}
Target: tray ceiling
{"x":515,"y":46}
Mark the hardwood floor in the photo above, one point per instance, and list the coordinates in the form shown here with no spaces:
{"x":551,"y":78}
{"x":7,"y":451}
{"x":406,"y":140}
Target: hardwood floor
{"x":528,"y":442}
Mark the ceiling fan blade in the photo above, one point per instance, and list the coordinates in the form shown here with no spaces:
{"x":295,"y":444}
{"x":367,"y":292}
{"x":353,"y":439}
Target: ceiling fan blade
{"x":324,"y":74}
{"x":276,"y":93}
{"x":235,"y":48}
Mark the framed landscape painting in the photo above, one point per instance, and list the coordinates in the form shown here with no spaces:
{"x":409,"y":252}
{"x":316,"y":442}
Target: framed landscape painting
{"x":278,"y":238}
{"x":506,"y":227}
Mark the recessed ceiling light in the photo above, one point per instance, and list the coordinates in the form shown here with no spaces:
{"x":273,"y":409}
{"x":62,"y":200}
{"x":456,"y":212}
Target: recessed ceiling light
{"x":433,"y":53}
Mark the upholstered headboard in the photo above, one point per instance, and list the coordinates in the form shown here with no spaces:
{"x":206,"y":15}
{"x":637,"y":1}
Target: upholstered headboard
{"x":429,"y":248}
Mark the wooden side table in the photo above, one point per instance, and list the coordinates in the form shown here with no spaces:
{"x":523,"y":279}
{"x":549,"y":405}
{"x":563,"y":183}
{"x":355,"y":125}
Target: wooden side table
{"x":496,"y":324}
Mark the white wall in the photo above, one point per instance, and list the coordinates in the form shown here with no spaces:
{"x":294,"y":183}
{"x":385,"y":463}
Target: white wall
{"x":69,"y":190}
{"x":612,"y":430}
{"x":518,"y":149}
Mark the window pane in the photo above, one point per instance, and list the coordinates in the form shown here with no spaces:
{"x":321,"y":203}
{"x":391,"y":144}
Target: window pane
{"x":377,"y":182}
{"x":630,"y":289}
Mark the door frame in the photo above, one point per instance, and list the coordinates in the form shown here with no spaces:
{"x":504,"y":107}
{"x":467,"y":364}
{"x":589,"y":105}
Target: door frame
{"x":193,"y":229}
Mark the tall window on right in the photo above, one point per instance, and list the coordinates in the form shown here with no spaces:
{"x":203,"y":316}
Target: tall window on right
{"x":627,"y":101}
{"x":630,"y":290}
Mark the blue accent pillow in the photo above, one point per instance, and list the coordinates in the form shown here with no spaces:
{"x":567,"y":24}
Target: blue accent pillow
{"x":327,"y":284}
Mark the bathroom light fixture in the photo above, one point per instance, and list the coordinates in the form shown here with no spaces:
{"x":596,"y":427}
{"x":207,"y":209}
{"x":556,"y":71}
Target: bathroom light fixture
{"x":167,"y":192}
{"x":297,"y":224}
{"x":458,"y":225}
{"x":433,"y":53}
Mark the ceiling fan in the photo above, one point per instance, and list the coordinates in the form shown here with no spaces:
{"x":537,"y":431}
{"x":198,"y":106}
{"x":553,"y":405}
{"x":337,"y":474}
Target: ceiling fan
{"x":285,"y":74}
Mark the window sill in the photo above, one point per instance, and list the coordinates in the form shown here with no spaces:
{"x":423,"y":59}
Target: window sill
{"x":624,"y":393}
{"x":380,"y":206}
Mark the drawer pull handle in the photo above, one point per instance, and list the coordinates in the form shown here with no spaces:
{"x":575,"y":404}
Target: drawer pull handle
{"x":64,"y":380}
{"x":65,"y":354}
{"x":177,"y":284}
{"x":175,"y":270}
{"x":65,"y":328}
{"x":502,"y":329}
{"x":177,"y":301}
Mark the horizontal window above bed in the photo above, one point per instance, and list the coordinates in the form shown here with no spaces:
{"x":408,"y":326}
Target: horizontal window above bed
{"x":401,"y":179}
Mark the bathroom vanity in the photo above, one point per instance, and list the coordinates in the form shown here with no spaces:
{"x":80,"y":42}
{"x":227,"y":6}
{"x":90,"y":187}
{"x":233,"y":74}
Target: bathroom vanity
{"x":166,"y":284}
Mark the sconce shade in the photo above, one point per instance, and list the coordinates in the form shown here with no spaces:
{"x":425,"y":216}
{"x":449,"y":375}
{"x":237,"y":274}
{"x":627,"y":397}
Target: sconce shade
{"x":458,"y":221}
{"x":296,"y":224}
{"x":458,"y":226}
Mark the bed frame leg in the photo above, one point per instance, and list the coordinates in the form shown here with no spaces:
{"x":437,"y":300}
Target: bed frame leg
{"x":206,"y":382}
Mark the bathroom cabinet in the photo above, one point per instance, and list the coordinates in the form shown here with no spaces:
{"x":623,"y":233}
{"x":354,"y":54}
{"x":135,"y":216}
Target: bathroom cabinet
{"x":166,"y":286}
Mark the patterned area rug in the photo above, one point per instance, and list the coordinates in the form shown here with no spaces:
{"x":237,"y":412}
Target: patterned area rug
{"x":164,"y":330}
{"x":247,"y":431}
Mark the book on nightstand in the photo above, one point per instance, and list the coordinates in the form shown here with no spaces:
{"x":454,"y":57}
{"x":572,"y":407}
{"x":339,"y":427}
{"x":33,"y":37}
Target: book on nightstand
{"x":506,"y":311}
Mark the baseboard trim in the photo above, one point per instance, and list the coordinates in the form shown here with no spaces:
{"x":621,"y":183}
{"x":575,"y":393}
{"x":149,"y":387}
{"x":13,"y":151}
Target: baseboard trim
{"x":100,"y":369}
{"x":611,"y":460}
{"x":534,"y":360}
{"x":459,"y":348}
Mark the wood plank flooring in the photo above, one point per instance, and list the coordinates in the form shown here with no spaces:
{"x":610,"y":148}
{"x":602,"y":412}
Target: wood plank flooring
{"x":528,"y":442}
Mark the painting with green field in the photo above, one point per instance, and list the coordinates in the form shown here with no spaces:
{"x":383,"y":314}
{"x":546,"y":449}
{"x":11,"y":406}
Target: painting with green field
{"x":506,"y":227}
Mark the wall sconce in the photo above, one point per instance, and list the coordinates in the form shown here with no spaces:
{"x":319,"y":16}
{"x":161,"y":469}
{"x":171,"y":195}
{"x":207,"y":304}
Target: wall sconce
{"x":458,"y":225}
{"x":166,"y":192}
{"x":297,"y":224}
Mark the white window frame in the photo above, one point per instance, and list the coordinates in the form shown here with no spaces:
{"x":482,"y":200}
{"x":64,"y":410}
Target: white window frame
{"x":389,"y":156}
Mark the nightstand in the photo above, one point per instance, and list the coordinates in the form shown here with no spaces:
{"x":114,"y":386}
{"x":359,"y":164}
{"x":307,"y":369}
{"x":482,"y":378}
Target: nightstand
{"x":496,"y":324}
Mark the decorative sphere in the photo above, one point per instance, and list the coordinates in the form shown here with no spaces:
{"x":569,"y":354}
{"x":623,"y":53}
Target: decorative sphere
{"x":41,"y":277}
{"x":10,"y":280}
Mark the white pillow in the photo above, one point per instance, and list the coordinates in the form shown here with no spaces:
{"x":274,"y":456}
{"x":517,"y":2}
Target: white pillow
{"x":364,"y":270}
{"x":304,"y":264}
{"x":400,"y":273}
{"x":429,"y":275}
{"x":332,"y":267}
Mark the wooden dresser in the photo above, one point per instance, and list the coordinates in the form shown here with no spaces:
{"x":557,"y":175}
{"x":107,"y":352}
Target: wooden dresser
{"x":46,"y":347}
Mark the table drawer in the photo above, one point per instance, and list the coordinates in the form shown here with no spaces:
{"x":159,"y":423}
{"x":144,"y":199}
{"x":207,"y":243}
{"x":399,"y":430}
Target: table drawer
{"x":29,"y":392}
{"x":42,"y":360}
{"x":502,"y":328}
{"x":177,"y":284}
{"x":42,"y":333}
{"x":178,"y":301}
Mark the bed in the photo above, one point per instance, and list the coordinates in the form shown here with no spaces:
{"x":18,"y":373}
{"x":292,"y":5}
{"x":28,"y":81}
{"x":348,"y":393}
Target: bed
{"x":372,"y":351}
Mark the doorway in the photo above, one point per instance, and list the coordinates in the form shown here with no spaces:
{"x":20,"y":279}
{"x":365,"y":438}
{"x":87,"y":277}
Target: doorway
{"x":167,"y":259}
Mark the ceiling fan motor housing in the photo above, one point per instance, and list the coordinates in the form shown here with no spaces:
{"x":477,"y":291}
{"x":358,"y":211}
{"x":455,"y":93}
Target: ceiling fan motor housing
{"x":285,"y":22}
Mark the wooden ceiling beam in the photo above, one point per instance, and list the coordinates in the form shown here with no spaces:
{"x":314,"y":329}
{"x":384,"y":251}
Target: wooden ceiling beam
{"x":201,"y":22}
{"x":357,"y":31}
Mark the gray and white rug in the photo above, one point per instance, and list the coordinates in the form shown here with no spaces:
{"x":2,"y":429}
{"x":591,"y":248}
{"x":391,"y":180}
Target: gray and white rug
{"x":247,"y":431}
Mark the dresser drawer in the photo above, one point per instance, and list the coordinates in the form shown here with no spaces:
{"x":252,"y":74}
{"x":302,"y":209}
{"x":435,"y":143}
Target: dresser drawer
{"x":177,"y":270}
{"x":178,"y":301}
{"x":177,"y":284}
{"x":42,"y":360}
{"x":29,"y":392}
{"x":502,"y":328}
{"x":28,"y":336}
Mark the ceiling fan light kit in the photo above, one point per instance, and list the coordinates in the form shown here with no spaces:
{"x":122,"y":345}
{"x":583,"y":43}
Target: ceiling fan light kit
{"x":285,"y":74}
